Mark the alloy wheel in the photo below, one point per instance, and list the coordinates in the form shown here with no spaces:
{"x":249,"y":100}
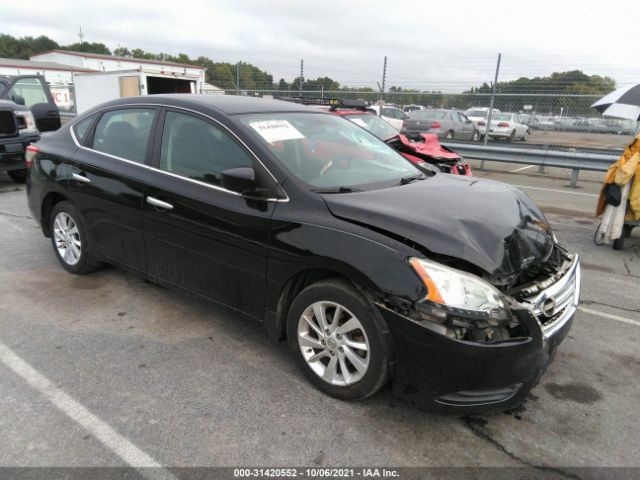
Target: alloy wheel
{"x":333,"y":343}
{"x":67,"y":238}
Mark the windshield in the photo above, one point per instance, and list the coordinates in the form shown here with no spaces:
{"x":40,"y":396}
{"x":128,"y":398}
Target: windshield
{"x":501,"y":117}
{"x":375,"y":125}
{"x":427,"y":115}
{"x":328,"y":152}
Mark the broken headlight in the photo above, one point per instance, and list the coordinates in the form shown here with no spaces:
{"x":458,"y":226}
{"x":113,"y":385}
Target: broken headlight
{"x":457,"y":289}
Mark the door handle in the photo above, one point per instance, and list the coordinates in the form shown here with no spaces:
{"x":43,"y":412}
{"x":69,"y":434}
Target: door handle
{"x":159,"y":203}
{"x":80,"y":178}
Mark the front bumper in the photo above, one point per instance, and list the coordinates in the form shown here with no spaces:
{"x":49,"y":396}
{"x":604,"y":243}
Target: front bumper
{"x":12,"y":152}
{"x":443,"y":374}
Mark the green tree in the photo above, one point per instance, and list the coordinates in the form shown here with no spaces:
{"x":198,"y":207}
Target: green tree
{"x":86,"y":47}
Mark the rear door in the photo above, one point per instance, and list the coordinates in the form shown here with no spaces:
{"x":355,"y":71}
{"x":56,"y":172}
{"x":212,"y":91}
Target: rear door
{"x":465,"y":125}
{"x":108,"y":181}
{"x":38,"y":99}
{"x":199,"y":236}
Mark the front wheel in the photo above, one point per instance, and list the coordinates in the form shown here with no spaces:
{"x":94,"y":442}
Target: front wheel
{"x":18,"y":176}
{"x":338,"y":340}
{"x":449,"y":135}
{"x":69,"y":240}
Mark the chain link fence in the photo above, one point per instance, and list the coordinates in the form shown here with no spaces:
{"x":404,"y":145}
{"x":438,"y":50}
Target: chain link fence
{"x":563,"y":120}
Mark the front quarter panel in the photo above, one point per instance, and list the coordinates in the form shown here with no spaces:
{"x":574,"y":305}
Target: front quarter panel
{"x":320,"y":241}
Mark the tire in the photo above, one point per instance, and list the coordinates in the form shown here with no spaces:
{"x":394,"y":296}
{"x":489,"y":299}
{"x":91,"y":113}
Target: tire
{"x":618,"y":243}
{"x":449,"y":135}
{"x":524,"y":137}
{"x":475,"y":136}
{"x":69,"y":240}
{"x":18,"y":176}
{"x":512,"y":137}
{"x":338,"y":349}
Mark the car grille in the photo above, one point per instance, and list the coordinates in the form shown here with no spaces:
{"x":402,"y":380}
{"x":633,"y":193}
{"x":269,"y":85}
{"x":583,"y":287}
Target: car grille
{"x":556,"y":304}
{"x":7,"y":123}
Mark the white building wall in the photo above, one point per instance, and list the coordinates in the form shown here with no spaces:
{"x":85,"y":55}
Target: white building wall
{"x":54,"y":77}
{"x":109,"y":65}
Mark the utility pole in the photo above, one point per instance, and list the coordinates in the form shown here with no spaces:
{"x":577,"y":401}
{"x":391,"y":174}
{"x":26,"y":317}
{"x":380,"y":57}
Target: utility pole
{"x":81,"y":35}
{"x":301,"y":75}
{"x":493,"y":97}
{"x":238,"y":78}
{"x":384,"y":78}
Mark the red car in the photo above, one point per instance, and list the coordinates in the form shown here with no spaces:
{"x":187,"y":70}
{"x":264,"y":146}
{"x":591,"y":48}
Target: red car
{"x":427,"y":152}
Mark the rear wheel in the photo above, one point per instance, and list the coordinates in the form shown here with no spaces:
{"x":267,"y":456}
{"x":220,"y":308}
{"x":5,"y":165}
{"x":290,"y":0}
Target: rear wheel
{"x":512,"y":136}
{"x":18,"y":176}
{"x":475,"y":136}
{"x":338,"y":341}
{"x":69,"y":240}
{"x":449,"y":135}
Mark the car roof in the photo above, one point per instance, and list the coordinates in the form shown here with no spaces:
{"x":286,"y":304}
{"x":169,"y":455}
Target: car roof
{"x":227,"y":104}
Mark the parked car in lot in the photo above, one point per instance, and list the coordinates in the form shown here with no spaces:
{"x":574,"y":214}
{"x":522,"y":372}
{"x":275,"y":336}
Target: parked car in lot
{"x":26,"y":109}
{"x":392,"y":115}
{"x":478,"y":117}
{"x":425,"y":152}
{"x":314,"y":226}
{"x":447,"y":124}
{"x":411,"y":108}
{"x":508,"y":126}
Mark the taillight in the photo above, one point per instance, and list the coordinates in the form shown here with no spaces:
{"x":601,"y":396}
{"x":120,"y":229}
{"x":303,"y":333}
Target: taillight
{"x":30,"y":153}
{"x":436,"y":125}
{"x":503,"y":125}
{"x":481,"y":123}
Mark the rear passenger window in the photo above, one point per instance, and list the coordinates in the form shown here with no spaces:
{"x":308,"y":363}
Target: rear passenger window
{"x":81,"y":129}
{"x":124,"y":133}
{"x":194,"y":148}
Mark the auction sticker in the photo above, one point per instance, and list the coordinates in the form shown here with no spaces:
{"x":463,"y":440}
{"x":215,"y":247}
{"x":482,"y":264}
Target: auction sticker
{"x":276,"y":130}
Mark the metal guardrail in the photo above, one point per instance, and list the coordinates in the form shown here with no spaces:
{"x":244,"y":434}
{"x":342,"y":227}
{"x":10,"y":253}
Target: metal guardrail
{"x":574,"y":160}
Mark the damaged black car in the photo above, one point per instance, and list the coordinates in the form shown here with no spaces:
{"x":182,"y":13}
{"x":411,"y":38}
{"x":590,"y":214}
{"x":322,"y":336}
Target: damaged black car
{"x":453,"y":288}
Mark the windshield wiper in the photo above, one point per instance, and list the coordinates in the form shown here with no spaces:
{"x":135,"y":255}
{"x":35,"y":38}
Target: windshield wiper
{"x":405,"y":180}
{"x":336,"y":190}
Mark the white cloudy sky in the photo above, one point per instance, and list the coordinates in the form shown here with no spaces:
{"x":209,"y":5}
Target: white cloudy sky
{"x":439,"y":45}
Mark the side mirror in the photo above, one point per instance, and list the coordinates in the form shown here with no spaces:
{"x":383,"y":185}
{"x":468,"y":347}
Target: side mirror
{"x":18,"y":99}
{"x":240,"y":180}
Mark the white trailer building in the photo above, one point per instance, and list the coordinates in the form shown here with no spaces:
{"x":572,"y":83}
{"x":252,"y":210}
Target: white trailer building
{"x":110,"y":63}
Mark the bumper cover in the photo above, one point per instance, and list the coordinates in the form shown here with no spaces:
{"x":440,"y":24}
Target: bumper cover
{"x":12,"y":152}
{"x":443,"y":374}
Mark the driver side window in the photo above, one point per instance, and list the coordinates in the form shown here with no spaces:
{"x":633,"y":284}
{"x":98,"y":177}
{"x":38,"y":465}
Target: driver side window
{"x":197,"y":149}
{"x":31,"y":90}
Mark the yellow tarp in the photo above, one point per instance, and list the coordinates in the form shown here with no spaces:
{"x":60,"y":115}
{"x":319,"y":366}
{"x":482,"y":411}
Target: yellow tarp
{"x":626,"y":169}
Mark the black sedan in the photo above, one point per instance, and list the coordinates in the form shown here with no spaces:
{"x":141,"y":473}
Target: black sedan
{"x":452,"y":287}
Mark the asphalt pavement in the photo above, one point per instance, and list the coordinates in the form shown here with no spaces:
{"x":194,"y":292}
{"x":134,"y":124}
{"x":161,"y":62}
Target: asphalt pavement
{"x":109,"y":370}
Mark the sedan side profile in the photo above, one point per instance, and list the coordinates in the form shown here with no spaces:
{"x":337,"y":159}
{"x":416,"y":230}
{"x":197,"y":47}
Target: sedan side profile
{"x":372,"y":270}
{"x":447,"y":124}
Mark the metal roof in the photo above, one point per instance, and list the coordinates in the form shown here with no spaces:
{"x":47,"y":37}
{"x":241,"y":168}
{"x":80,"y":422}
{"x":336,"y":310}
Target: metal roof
{"x":227,"y":104}
{"x":36,"y":65}
{"x":120,"y":59}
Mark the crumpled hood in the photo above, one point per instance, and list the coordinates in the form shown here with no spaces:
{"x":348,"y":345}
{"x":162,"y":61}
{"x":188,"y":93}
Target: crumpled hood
{"x":489,"y":224}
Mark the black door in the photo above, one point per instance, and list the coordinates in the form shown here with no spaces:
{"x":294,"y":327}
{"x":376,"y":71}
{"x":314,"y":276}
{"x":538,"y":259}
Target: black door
{"x":38,"y":99}
{"x":107,"y":182}
{"x":198,"y":236}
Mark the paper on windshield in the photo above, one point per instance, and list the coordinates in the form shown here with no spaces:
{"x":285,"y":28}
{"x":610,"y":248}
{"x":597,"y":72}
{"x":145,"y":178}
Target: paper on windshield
{"x":276,"y":130}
